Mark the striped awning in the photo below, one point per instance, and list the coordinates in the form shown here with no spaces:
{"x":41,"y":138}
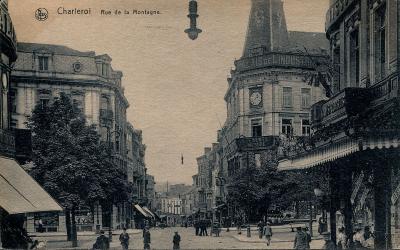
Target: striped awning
{"x":20,"y":193}
{"x":336,"y":150}
{"x":141,"y":210}
{"x":148,"y":211}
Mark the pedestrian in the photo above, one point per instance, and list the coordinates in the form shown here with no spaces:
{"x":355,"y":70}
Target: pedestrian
{"x":300,"y":240}
{"x":196,"y":226}
{"x":239,"y":225}
{"x":267,"y":231}
{"x":260,"y":226}
{"x":124,"y":239}
{"x":146,"y":239}
{"x":102,"y":242}
{"x":176,"y":240}
{"x":41,"y":229}
{"x":321,"y":225}
{"x":201,"y":228}
{"x":341,"y":239}
{"x":305,"y":230}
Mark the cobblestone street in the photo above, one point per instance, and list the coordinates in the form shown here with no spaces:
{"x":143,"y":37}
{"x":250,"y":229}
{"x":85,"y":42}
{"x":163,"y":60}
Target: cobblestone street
{"x":162,"y":239}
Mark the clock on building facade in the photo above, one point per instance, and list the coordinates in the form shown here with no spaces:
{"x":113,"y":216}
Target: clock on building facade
{"x":256,"y":97}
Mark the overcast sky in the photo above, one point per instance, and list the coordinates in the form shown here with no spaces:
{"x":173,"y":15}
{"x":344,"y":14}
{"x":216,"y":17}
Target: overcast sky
{"x":175,"y":86}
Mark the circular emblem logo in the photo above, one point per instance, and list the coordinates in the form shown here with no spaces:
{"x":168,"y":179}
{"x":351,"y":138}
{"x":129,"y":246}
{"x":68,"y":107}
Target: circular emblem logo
{"x":77,"y":67}
{"x":41,"y":14}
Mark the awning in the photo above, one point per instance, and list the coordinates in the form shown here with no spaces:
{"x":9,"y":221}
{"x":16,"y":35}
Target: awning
{"x":147,"y":210}
{"x":336,"y":150}
{"x":140,"y":209}
{"x":20,"y":193}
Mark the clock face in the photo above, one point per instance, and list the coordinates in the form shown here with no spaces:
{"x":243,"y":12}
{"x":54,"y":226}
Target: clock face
{"x":4,"y":80}
{"x":255,"y":98}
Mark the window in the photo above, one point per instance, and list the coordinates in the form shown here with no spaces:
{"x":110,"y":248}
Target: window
{"x":287,"y":126}
{"x":305,"y":98}
{"x":287,"y":97}
{"x":257,"y":160}
{"x":354,"y":59}
{"x":104,"y":69}
{"x":256,"y":127}
{"x":13,"y":100}
{"x":105,"y":103}
{"x":78,"y":102}
{"x":44,"y":102}
{"x":43,"y":63}
{"x":380,"y":42}
{"x":336,"y":69}
{"x":305,"y":127}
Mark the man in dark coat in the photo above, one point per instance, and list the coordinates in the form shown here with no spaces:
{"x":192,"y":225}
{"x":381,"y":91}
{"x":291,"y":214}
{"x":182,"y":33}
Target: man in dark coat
{"x":196,"y":226}
{"x":176,"y":240}
{"x":300,"y":240}
{"x":102,"y":242}
{"x":124,"y":239}
{"x":146,"y":238}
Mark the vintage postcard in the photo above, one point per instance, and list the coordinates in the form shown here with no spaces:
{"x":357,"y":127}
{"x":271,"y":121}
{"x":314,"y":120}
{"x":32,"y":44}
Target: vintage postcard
{"x":199,"y":124}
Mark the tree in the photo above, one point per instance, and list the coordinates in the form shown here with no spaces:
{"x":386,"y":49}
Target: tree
{"x":71,"y":162}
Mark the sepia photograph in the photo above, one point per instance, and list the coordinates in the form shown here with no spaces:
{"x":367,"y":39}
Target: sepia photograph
{"x":199,"y":124}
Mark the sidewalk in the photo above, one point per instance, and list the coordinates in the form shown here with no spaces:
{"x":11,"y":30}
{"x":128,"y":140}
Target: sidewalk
{"x":85,"y":233}
{"x":278,"y":242}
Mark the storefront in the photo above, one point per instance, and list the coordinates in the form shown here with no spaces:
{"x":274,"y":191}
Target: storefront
{"x":20,"y":195}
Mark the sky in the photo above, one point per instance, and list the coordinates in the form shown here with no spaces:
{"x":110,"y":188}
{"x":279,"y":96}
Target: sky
{"x":175,"y":86}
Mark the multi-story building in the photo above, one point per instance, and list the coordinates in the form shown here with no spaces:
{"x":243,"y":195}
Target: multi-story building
{"x":268,"y":96}
{"x":42,"y":72}
{"x":355,"y":139}
{"x":19,"y":193}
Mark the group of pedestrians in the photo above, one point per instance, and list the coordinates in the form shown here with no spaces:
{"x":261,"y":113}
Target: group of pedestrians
{"x":103,"y":242}
{"x":201,"y":227}
{"x":361,"y":239}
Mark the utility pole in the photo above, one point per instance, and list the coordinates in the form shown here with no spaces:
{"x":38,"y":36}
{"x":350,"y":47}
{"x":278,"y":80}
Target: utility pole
{"x":248,"y":196}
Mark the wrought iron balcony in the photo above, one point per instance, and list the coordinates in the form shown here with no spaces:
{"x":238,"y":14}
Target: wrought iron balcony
{"x":7,"y":143}
{"x":347,"y":103}
{"x":385,"y":90}
{"x":351,"y":102}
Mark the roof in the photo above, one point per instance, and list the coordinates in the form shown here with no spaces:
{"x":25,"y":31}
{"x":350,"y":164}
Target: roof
{"x":266,"y":27}
{"x":20,"y":193}
{"x":309,"y":40}
{"x":56,"y":49}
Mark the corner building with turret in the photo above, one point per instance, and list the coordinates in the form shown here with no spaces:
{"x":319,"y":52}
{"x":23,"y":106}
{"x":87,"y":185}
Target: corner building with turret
{"x":268,"y":96}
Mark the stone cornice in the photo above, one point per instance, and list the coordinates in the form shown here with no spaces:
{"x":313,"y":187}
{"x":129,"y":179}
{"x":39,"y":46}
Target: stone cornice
{"x":89,"y":81}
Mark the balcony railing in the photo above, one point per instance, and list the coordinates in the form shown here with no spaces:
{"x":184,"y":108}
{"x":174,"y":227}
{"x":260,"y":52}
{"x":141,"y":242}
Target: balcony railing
{"x":7,"y":143}
{"x":277,"y":59}
{"x":352,"y":101}
{"x":386,"y":89}
{"x":346,"y":103}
